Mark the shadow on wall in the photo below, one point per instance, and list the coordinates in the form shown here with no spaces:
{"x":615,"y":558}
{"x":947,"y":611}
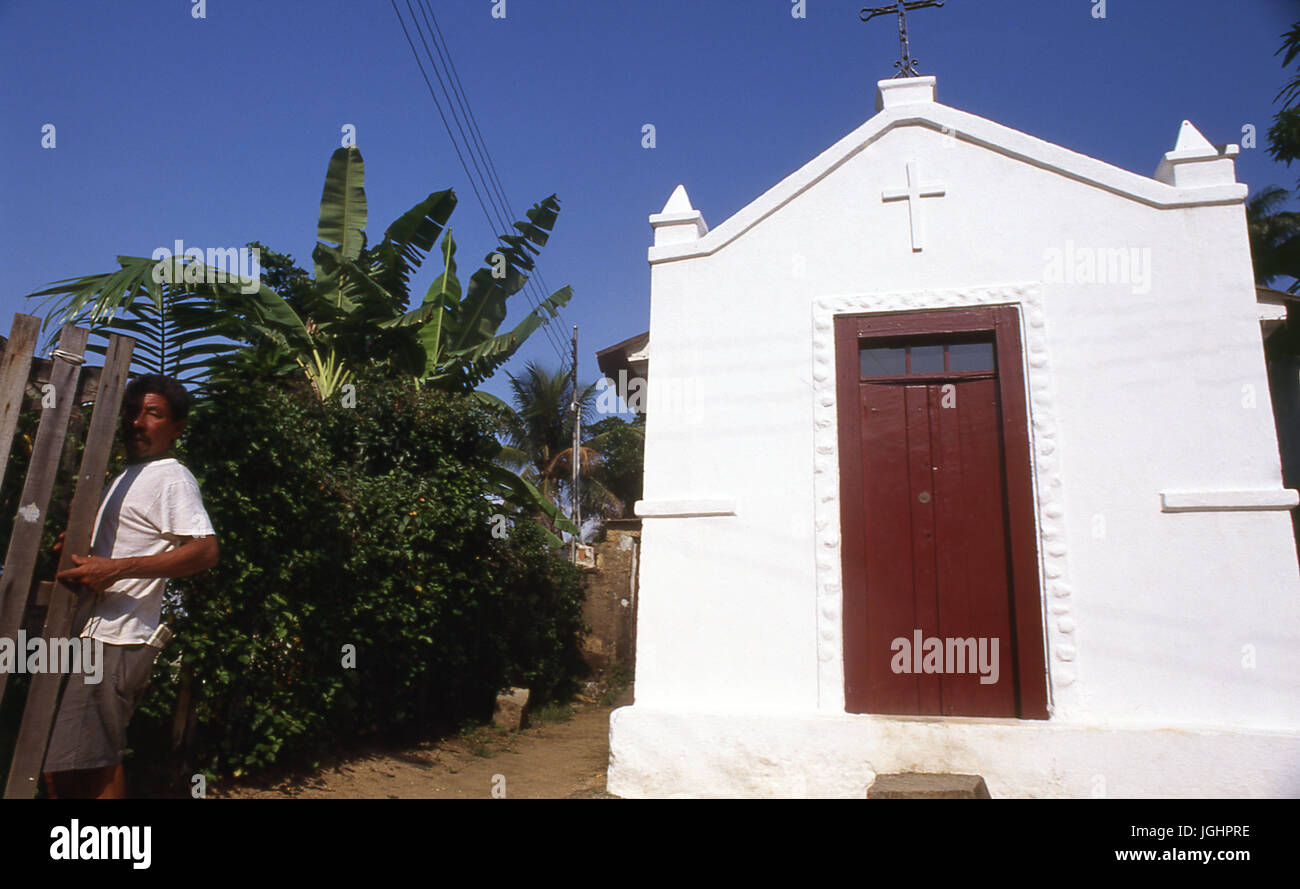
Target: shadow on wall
{"x":1283,"y":351}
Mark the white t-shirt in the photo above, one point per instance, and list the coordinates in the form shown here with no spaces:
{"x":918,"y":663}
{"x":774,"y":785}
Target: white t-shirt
{"x":149,"y":509}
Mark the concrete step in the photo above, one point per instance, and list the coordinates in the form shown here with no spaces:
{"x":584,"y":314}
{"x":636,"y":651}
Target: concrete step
{"x":924,"y":785}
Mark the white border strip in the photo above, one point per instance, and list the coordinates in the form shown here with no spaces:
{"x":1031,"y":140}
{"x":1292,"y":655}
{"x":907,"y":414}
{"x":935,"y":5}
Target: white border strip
{"x":680,"y":509}
{"x":1228,"y":501}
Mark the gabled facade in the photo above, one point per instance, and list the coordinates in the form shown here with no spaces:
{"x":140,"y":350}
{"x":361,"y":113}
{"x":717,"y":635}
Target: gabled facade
{"x":978,"y":474}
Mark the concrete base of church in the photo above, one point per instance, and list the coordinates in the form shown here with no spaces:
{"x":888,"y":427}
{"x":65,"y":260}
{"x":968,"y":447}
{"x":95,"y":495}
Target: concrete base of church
{"x":657,"y":753}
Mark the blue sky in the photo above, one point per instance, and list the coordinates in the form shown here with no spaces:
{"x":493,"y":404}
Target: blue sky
{"x":217,"y":130}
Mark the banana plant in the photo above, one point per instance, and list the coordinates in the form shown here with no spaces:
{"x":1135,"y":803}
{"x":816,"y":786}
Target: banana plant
{"x":450,"y":340}
{"x":355,"y":312}
{"x":458,"y":332}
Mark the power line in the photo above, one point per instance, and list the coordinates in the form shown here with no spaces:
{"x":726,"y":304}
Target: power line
{"x":455,"y":145}
{"x":536,"y":302}
{"x":451,"y":106}
{"x":458,"y":86}
{"x":492,"y":181}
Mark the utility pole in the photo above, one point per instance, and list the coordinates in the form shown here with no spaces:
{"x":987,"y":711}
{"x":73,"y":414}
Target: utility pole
{"x":577,"y":427}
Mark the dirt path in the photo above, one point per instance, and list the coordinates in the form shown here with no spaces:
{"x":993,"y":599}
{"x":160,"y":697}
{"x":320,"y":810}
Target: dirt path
{"x":565,"y":760}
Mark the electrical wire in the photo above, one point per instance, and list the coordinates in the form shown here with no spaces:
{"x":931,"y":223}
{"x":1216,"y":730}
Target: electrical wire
{"x":458,"y":86}
{"x":491,"y":184}
{"x":493,"y":180}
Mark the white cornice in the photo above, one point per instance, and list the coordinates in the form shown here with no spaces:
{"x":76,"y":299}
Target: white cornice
{"x":967,"y":128}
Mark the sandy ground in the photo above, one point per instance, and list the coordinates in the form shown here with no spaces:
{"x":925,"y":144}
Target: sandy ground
{"x":554,"y":760}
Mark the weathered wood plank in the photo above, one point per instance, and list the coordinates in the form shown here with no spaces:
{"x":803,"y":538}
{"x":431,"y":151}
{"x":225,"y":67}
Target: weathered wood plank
{"x":43,"y":696}
{"x":44,"y":591}
{"x":15,"y":365}
{"x":20,"y":561}
{"x":87,"y":383}
{"x":34,"y":617}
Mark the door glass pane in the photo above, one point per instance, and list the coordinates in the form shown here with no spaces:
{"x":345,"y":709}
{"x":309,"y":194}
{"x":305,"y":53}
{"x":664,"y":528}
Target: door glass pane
{"x":927,"y":359}
{"x":883,"y":362}
{"x":970,"y":356}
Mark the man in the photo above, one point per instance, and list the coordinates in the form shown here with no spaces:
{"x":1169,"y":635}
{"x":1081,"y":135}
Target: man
{"x":151,"y":526}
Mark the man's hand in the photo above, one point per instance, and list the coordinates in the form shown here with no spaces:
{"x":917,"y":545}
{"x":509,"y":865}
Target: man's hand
{"x":94,"y":572}
{"x":98,"y":573}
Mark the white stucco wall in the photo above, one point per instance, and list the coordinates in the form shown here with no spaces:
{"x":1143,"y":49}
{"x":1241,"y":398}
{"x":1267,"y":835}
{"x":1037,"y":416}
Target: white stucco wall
{"x":1136,"y":389}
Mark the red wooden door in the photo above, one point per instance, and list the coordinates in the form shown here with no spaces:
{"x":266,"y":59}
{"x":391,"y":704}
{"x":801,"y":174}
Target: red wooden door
{"x":930,"y":567}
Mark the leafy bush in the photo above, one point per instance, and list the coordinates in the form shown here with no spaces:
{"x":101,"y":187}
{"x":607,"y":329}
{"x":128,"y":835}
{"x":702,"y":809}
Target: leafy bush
{"x":365,"y":526}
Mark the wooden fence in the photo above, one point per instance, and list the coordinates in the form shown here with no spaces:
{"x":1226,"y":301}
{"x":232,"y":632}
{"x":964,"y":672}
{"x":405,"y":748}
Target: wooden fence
{"x":61,"y":383}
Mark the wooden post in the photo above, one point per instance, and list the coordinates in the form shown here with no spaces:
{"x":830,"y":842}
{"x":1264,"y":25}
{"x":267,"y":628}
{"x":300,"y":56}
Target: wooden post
{"x":43,"y":697}
{"x":15,"y":365}
{"x":20,"y":562}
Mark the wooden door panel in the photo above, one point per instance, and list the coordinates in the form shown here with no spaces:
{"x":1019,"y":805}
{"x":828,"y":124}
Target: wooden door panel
{"x":972,"y":553}
{"x":934,"y":492}
{"x":919,"y":488}
{"x":887,"y":526}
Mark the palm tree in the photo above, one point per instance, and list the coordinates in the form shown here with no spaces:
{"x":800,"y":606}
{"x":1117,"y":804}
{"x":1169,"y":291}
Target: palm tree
{"x":1284,"y":135}
{"x":539,"y":438}
{"x":621,"y":446}
{"x":183,"y":325}
{"x":1274,"y":237}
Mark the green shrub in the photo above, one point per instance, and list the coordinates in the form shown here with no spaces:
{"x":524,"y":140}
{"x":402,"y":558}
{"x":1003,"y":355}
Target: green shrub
{"x":365,"y":526}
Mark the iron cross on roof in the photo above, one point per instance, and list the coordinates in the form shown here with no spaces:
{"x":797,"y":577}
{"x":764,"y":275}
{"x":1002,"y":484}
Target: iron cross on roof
{"x":907,"y":65}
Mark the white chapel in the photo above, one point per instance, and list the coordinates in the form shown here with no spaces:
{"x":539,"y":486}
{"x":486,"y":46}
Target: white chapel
{"x":978,"y":476}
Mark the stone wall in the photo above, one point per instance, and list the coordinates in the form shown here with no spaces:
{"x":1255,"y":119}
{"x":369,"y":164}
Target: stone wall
{"x":610,"y":606}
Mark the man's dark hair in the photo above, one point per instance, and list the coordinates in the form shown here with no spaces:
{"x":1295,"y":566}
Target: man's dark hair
{"x":178,"y":399}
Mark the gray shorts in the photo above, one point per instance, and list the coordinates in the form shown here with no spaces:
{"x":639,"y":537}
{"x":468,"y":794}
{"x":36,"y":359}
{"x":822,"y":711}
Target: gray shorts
{"x":90,"y":730}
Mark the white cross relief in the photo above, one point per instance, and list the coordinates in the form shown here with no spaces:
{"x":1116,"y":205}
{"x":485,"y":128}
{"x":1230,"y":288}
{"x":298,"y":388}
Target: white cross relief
{"x":912,"y":194}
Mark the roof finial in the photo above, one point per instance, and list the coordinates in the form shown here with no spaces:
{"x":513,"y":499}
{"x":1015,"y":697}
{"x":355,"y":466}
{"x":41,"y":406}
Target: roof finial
{"x":907,"y":65}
